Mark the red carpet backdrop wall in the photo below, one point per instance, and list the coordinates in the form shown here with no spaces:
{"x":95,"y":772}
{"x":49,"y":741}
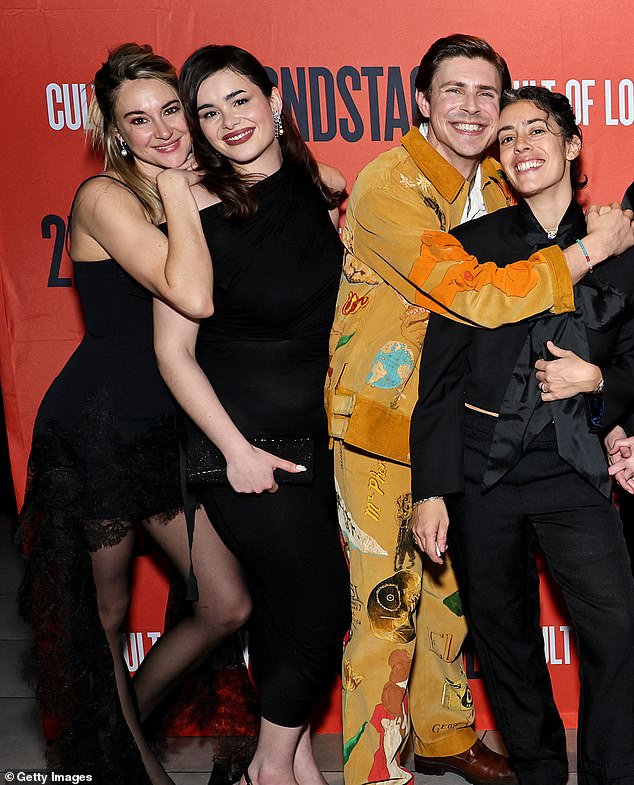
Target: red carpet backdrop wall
{"x":346,"y":70}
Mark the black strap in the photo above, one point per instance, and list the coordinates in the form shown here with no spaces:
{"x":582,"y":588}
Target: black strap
{"x":189,"y":507}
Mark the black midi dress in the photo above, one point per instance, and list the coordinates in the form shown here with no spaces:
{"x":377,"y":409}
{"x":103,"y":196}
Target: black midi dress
{"x":265,"y":352}
{"x":104,"y":457}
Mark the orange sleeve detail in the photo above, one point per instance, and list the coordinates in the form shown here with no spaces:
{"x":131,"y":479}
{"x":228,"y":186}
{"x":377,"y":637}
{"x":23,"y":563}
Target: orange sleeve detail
{"x":444,"y":269}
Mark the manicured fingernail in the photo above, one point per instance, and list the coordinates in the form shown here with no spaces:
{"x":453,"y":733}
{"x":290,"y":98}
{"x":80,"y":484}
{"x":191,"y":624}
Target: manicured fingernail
{"x":300,"y":468}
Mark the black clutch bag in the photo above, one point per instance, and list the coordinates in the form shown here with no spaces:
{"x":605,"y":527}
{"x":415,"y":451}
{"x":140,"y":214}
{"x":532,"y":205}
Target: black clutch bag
{"x":206,"y":464}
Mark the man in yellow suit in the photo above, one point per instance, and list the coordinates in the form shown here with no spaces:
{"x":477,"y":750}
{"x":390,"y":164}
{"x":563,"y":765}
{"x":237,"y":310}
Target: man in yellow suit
{"x":398,"y":265}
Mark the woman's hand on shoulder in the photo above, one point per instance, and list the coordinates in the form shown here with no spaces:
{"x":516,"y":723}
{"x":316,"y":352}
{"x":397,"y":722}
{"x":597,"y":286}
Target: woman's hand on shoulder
{"x":251,"y":470}
{"x":109,"y":221}
{"x":190,"y":163}
{"x":194,"y":178}
{"x":335,"y":180}
{"x":170,"y":179}
{"x":108,"y":214}
{"x":202,"y":196}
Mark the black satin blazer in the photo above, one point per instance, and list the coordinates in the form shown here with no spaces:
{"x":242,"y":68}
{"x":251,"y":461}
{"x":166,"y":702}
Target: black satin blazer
{"x":494,"y":369}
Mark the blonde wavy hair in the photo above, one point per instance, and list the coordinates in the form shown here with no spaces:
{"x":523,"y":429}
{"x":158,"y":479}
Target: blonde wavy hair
{"x":126,"y":62}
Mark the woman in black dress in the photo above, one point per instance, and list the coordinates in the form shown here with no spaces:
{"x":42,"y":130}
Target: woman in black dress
{"x":507,"y":429}
{"x":256,"y":368}
{"x":104,"y":457}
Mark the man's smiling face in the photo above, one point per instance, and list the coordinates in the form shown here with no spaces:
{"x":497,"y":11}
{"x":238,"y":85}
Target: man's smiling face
{"x":463,"y":110}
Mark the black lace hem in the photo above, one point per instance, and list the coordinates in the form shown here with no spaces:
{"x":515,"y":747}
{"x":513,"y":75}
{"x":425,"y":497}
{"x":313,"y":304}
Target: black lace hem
{"x":63,"y":519}
{"x":86,"y":490}
{"x":101,"y":481}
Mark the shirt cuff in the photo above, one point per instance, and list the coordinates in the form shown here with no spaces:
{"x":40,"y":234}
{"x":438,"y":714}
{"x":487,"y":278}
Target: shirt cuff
{"x":563,"y":294}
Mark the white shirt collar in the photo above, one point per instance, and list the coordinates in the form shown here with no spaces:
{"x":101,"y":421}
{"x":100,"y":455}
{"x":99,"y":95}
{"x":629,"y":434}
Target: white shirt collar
{"x":475,"y":205}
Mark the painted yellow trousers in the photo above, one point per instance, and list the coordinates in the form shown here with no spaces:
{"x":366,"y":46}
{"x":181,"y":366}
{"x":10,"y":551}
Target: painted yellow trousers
{"x":402,"y":661}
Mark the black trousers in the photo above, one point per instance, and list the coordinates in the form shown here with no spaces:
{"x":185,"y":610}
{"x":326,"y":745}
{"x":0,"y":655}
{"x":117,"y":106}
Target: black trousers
{"x":626,"y":510}
{"x":544,"y":501}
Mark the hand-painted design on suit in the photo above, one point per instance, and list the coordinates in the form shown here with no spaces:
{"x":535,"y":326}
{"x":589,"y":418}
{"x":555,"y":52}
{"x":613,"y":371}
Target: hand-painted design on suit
{"x":390,"y":720}
{"x":353,"y":534}
{"x":356,"y":272}
{"x":405,"y":553}
{"x":421,"y":182}
{"x":454,"y":603}
{"x":392,"y":606}
{"x":354,"y":303}
{"x":392,"y":366}
{"x":457,"y":695}
{"x":414,"y":324}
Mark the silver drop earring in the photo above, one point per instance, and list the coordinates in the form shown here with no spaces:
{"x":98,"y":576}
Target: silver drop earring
{"x":277,"y":119}
{"x":123,"y":147}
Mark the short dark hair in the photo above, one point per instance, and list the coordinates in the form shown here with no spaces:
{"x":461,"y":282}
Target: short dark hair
{"x":557,"y":108}
{"x":457,"y":45}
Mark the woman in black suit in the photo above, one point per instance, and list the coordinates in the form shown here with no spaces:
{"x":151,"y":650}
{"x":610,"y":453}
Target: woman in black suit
{"x":506,"y":448}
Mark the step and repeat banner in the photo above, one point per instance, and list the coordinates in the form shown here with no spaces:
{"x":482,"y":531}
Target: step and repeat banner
{"x":346,"y":69}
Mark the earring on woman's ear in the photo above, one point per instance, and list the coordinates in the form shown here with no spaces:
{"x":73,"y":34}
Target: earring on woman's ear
{"x":277,"y":120}
{"x":123,"y":147}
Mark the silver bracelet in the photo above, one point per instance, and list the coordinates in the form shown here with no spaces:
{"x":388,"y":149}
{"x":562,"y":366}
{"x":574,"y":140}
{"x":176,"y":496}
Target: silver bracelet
{"x":428,"y":499}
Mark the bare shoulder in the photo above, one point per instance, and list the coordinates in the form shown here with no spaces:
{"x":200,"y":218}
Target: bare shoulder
{"x":203,"y":197}
{"x":332,"y":177}
{"x":105,"y":209}
{"x":105,"y":201}
{"x":104,"y":191}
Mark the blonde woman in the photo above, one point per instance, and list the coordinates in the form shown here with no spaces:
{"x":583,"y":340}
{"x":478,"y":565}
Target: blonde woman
{"x":104,"y":458}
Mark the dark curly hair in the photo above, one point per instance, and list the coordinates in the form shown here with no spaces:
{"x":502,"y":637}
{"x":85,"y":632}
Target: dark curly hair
{"x":557,"y":108}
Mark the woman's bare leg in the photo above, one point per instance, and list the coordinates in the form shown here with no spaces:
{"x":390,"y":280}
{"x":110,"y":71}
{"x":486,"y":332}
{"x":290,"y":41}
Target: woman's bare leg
{"x":284,"y":756}
{"x":273,"y":762}
{"x":307,"y":771}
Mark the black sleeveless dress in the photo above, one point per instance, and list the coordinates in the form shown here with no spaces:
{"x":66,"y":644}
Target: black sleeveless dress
{"x":265,"y":351}
{"x":104,"y":457}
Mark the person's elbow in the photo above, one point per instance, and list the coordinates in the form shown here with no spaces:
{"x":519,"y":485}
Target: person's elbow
{"x":195,"y":304}
{"x":332,"y":178}
{"x":200,"y":309}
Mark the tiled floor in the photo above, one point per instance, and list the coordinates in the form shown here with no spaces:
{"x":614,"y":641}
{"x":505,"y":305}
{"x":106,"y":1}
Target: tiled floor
{"x":21,"y":741}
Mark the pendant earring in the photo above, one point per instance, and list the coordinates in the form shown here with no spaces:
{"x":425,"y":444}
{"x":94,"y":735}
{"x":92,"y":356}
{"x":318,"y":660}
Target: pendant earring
{"x":123,"y":148}
{"x":277,"y":120}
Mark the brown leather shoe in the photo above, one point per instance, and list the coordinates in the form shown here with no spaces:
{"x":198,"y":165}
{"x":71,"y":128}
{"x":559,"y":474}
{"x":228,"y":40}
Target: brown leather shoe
{"x":478,"y":765}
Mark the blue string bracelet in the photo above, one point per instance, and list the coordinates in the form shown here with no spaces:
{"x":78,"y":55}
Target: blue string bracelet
{"x":586,"y":254}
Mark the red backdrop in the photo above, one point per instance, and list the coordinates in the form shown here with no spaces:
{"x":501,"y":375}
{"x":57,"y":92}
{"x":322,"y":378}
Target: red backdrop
{"x":345,"y":67}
